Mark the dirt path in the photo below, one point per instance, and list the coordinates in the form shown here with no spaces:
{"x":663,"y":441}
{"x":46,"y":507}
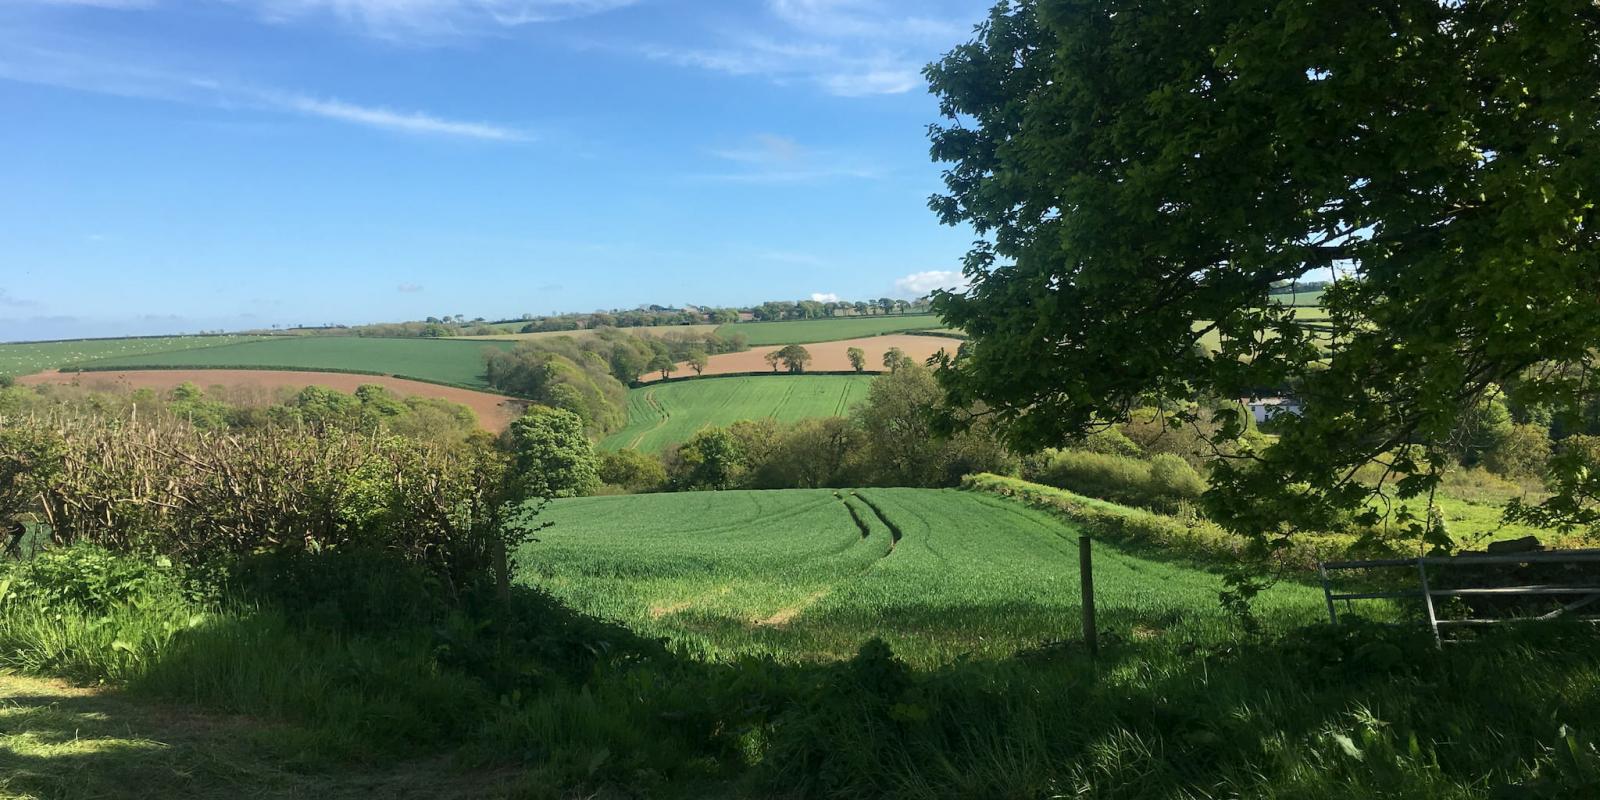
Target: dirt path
{"x":495,"y":412}
{"x":785,"y":615}
{"x":825,"y":356}
{"x":63,"y":741}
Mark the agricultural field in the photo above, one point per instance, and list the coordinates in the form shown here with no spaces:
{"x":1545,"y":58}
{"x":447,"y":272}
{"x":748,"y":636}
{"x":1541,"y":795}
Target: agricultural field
{"x":825,"y":356}
{"x":495,"y":412}
{"x":511,"y":334}
{"x":806,"y":331}
{"x":26,"y":358}
{"x":447,"y":361}
{"x":809,"y":574}
{"x":666,"y":414}
{"x":1306,"y":298}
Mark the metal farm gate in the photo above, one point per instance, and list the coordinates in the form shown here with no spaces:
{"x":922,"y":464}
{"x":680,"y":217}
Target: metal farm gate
{"x":1494,"y":588}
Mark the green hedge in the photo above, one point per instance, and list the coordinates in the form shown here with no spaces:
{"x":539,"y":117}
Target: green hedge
{"x":268,"y":368}
{"x":1192,"y":538}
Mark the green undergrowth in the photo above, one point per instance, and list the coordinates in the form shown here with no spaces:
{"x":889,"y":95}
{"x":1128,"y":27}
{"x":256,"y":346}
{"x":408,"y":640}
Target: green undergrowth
{"x":561,"y":704}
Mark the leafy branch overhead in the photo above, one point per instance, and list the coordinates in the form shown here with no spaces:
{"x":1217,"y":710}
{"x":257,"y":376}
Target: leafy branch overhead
{"x":1143,"y":174}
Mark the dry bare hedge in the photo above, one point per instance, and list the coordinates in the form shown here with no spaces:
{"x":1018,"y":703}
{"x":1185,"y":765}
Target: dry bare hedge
{"x":164,"y":487}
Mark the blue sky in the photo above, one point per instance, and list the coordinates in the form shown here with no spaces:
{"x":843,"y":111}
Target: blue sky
{"x":175,"y":165}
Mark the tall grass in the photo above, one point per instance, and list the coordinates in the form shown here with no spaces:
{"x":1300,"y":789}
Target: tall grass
{"x":581,"y":707}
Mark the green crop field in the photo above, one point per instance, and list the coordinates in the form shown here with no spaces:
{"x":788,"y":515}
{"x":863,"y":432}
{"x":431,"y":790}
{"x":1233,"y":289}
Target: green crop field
{"x":1308,"y":298}
{"x":441,"y":360}
{"x":790,"y":573}
{"x":665,"y":414}
{"x":29,"y":357}
{"x":806,"y":331}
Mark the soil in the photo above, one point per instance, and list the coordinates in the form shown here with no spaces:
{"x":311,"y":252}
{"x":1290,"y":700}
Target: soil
{"x":495,"y":412}
{"x":825,"y":356}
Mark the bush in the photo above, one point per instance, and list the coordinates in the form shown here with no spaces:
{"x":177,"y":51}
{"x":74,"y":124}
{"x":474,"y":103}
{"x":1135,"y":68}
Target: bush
{"x":1173,"y":480}
{"x":1521,"y":452}
{"x":1164,"y":483}
{"x":83,"y":577}
{"x":1173,"y":536}
{"x":632,"y":470}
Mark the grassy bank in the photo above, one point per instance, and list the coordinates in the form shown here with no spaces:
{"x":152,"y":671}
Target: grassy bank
{"x":567,"y":705}
{"x":663,"y":415}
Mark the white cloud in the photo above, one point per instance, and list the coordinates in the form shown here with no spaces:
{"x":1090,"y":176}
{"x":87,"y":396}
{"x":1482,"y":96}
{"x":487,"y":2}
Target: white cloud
{"x":893,"y":80}
{"x":122,"y":5}
{"x":126,"y":77}
{"x":849,"y":48}
{"x":409,"y":122}
{"x":825,"y":297}
{"x":408,"y":288}
{"x":918,"y":284}
{"x":403,"y":18}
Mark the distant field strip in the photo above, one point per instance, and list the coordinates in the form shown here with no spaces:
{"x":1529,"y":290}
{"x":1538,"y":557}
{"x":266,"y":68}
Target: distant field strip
{"x":806,"y":331}
{"x":666,"y":414}
{"x":30,"y":357}
{"x":512,"y":335}
{"x":805,"y":574}
{"x":457,"y":363}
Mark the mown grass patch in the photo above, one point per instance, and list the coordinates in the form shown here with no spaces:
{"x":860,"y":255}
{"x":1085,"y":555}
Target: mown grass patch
{"x":669,"y":413}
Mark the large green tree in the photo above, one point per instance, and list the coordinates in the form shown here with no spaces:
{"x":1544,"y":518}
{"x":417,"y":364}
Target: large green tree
{"x":1141,"y":173}
{"x":551,"y":455}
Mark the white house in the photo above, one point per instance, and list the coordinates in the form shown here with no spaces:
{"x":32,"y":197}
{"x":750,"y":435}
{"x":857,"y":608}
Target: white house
{"x":1265,"y":408}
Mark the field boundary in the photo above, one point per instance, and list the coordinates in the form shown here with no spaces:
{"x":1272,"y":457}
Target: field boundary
{"x":77,"y":368}
{"x":1153,"y":535}
{"x":753,"y":374}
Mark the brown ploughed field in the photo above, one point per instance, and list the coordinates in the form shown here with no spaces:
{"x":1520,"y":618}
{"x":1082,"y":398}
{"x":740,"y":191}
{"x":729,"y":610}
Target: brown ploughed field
{"x":494,"y":411}
{"x":825,"y":356}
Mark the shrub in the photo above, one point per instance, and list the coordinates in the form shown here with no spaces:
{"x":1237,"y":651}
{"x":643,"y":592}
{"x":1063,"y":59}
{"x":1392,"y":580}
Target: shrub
{"x":632,"y":470}
{"x":1193,"y":538}
{"x":1164,"y":483}
{"x":1173,"y":480}
{"x":1520,"y":452}
{"x":85,"y":577}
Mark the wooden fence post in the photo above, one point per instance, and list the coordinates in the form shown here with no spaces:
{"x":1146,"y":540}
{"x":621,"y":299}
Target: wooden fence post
{"x":1091,"y":637}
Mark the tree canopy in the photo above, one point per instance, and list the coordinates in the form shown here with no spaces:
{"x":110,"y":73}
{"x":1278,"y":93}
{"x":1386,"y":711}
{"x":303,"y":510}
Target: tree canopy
{"x":1143,"y":174}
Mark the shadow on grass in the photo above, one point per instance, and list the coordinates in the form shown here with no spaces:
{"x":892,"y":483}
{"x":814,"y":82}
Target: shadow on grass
{"x":331,"y":684}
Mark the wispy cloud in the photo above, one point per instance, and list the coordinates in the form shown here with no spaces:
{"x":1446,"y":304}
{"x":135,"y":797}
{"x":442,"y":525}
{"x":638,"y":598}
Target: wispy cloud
{"x":409,"y":18}
{"x":410,"y":122}
{"x":126,"y":78}
{"x":408,"y":288}
{"x":395,"y":19}
{"x":9,"y":300}
{"x":123,"y":5}
{"x":770,"y":158}
{"x":850,"y":48}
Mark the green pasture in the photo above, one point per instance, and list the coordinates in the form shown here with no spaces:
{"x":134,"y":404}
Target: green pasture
{"x":26,"y":358}
{"x":457,"y":363}
{"x":664,"y":414}
{"x":807,"y":331}
{"x":791,"y":574}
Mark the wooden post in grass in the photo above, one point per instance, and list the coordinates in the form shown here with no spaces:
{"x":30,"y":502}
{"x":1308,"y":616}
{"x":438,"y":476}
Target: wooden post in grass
{"x":1091,"y":637}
